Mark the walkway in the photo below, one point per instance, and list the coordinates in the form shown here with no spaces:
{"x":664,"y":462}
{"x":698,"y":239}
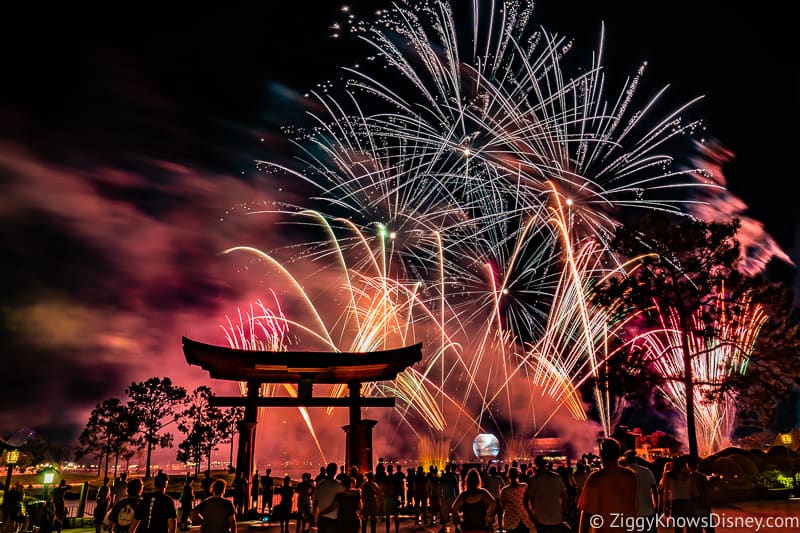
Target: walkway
{"x":740,"y":517}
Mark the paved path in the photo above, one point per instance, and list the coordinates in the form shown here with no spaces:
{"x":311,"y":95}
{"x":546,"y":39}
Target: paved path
{"x":740,"y":517}
{"x":772,"y":516}
{"x":406,"y":526}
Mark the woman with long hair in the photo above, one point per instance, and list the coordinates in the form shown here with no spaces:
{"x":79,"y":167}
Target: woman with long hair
{"x":473,"y":511}
{"x":678,"y":491}
{"x":350,"y":507}
{"x":663,"y":505}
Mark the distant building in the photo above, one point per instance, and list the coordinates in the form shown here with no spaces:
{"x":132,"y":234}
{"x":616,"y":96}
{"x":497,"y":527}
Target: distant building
{"x":648,"y":446}
{"x":789,"y":439}
{"x":552,"y":448}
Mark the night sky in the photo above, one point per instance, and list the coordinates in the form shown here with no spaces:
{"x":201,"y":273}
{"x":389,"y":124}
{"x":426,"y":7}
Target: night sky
{"x":128,"y":137}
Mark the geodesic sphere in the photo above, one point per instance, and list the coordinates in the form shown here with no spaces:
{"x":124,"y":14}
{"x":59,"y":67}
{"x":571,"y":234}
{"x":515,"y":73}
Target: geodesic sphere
{"x":486,"y":445}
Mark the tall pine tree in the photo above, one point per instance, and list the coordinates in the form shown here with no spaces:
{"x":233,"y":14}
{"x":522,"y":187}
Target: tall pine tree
{"x":681,"y":267}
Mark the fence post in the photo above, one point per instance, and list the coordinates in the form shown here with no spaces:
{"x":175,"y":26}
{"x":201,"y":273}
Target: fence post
{"x":82,"y":501}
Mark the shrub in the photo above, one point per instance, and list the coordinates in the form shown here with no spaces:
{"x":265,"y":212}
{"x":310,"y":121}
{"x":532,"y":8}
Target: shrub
{"x":727,"y":468}
{"x":774,"y":478}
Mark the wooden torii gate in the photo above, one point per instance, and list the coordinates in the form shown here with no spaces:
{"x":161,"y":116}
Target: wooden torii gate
{"x":305,"y":369}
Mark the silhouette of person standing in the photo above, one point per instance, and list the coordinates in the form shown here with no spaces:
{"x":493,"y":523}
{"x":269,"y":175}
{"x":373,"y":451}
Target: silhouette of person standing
{"x":305,"y":490}
{"x":59,"y":509}
{"x":187,"y":502}
{"x":102,"y":503}
{"x":611,"y":491}
{"x":350,"y":505}
{"x":206,"y":484}
{"x":326,"y":512}
{"x":546,"y":498}
{"x":371,"y":499}
{"x":267,"y":491}
{"x":512,"y":496}
{"x":474,"y":508}
{"x":216,"y":514}
{"x":123,"y":512}
{"x":156,"y":513}
{"x":255,"y":488}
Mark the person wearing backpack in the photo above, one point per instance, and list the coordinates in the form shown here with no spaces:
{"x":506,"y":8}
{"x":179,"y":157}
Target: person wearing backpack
{"x":124,"y":510}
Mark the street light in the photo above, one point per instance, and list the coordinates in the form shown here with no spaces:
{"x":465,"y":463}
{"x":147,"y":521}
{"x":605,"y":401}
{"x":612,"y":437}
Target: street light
{"x":12,"y":456}
{"x":48,"y":475}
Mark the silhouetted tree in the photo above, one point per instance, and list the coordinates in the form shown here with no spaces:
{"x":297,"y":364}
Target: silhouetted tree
{"x":772,"y":373}
{"x":204,"y":427}
{"x":110,"y":429}
{"x":230,"y":424}
{"x":682,"y":267}
{"x":90,"y":445}
{"x":129,"y":452}
{"x":155,"y":404}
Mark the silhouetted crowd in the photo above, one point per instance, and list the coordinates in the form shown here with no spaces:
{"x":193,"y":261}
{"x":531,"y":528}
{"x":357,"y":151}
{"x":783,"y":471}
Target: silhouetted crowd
{"x":601,"y":493}
{"x":605,"y":493}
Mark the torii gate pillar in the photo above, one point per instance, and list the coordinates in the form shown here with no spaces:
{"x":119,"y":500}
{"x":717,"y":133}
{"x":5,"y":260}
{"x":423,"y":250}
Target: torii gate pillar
{"x":247,"y":435}
{"x":358,"y":448}
{"x":359,"y":445}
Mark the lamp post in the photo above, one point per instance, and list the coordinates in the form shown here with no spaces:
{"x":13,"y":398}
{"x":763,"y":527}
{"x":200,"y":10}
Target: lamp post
{"x":48,"y":475}
{"x":12,"y":456}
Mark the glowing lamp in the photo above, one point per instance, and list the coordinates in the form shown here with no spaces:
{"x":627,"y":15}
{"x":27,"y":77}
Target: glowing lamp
{"x":485,"y":445}
{"x":786,"y":438}
{"x":12,"y":456}
{"x":48,"y":475}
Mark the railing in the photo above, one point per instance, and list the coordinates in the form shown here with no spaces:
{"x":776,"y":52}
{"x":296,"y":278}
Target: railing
{"x":72,"y":519}
{"x":276,"y":498}
{"x":72,"y":508}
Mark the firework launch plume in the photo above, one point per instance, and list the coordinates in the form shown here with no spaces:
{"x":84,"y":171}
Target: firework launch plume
{"x":714,"y":358}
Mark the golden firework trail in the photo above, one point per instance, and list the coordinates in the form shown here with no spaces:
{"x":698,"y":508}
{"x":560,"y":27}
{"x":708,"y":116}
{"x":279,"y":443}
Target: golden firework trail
{"x":466,"y":196}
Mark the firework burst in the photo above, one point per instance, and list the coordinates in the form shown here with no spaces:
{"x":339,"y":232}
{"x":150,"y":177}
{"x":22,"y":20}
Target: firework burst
{"x":469,"y":180}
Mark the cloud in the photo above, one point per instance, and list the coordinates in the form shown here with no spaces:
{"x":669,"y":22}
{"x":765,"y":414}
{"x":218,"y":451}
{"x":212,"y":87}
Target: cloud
{"x":721,"y":205}
{"x":108,"y":268}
